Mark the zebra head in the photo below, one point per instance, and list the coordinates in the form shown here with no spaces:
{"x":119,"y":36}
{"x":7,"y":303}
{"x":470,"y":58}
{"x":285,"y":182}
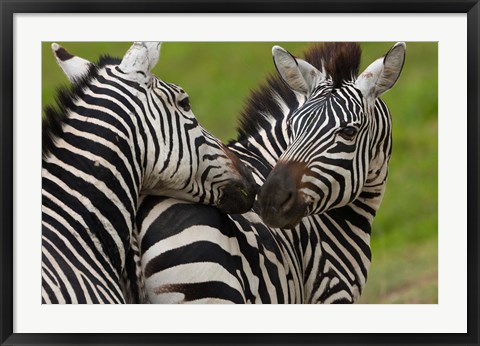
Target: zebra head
{"x":179,"y":157}
{"x":340,"y":136}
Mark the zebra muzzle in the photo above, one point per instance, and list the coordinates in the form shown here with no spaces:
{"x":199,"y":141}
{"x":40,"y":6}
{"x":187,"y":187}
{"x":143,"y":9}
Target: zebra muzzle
{"x":280,"y":203}
{"x":238,"y":196}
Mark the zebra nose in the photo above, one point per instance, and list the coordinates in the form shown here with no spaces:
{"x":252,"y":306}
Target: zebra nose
{"x":239,"y":195}
{"x":288,"y":197}
{"x":279,"y":193}
{"x":280,"y":202}
{"x":237,"y":198}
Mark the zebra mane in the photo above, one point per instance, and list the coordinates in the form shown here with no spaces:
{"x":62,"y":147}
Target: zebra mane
{"x":339,"y":60}
{"x":54,"y":115}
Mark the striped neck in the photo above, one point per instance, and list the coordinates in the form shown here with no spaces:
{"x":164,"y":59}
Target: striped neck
{"x":95,"y":170}
{"x":261,"y":148}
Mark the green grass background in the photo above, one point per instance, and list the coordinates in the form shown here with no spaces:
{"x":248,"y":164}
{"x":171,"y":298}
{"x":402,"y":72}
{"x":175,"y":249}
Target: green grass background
{"x":219,"y":76}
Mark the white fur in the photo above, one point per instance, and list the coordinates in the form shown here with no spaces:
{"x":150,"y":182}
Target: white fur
{"x":74,"y":68}
{"x":298,"y":74}
{"x":382,"y":74}
{"x":142,"y":56}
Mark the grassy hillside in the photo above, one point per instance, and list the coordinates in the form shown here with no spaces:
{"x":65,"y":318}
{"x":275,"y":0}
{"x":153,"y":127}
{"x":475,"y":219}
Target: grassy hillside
{"x":219,"y":76}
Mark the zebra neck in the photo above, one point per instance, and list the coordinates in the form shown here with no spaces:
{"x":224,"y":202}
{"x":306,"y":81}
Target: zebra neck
{"x":262,"y":150}
{"x":92,"y":175}
{"x":337,"y":259}
{"x":263,"y":135}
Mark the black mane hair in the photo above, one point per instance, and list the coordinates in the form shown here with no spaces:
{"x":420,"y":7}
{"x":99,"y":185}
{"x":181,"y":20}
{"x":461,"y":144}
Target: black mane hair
{"x":339,"y":60}
{"x":54,"y":115}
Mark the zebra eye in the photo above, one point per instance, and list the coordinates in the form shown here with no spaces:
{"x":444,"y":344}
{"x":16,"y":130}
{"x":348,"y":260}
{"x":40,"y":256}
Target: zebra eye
{"x":348,"y":132}
{"x":185,"y":104}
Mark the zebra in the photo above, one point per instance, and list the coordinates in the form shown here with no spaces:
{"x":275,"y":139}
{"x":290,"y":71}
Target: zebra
{"x":319,"y":137}
{"x":116,"y":132}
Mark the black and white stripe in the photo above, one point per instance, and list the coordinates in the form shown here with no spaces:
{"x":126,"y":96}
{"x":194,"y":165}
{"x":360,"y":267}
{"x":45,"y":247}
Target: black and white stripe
{"x":321,"y":149}
{"x":119,"y":131}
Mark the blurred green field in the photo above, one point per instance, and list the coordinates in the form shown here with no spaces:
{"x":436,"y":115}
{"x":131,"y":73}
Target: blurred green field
{"x":219,"y":76}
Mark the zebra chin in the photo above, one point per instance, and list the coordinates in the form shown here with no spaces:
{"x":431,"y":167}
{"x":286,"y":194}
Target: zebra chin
{"x":280,"y":207}
{"x":289,"y":219}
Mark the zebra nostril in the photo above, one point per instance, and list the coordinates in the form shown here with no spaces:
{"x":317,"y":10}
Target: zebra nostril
{"x":288,"y":201}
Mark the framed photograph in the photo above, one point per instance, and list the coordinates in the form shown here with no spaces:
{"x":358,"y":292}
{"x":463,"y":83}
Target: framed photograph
{"x":421,"y":253}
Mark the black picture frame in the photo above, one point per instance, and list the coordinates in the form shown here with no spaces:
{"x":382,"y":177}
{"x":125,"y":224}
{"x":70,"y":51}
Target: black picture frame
{"x":10,"y":7}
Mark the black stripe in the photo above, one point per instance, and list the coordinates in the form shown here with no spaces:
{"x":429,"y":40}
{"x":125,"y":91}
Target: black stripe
{"x":76,"y":263}
{"x":100,"y":199}
{"x":209,"y":289}
{"x":102,"y":202}
{"x":108,"y":154}
{"x":73,"y":238}
{"x":179,"y":217}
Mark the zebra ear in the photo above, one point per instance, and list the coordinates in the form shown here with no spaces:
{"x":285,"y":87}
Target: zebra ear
{"x":142,"y":56}
{"x":73,"y":66}
{"x":298,"y":74}
{"x":383,"y":73}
